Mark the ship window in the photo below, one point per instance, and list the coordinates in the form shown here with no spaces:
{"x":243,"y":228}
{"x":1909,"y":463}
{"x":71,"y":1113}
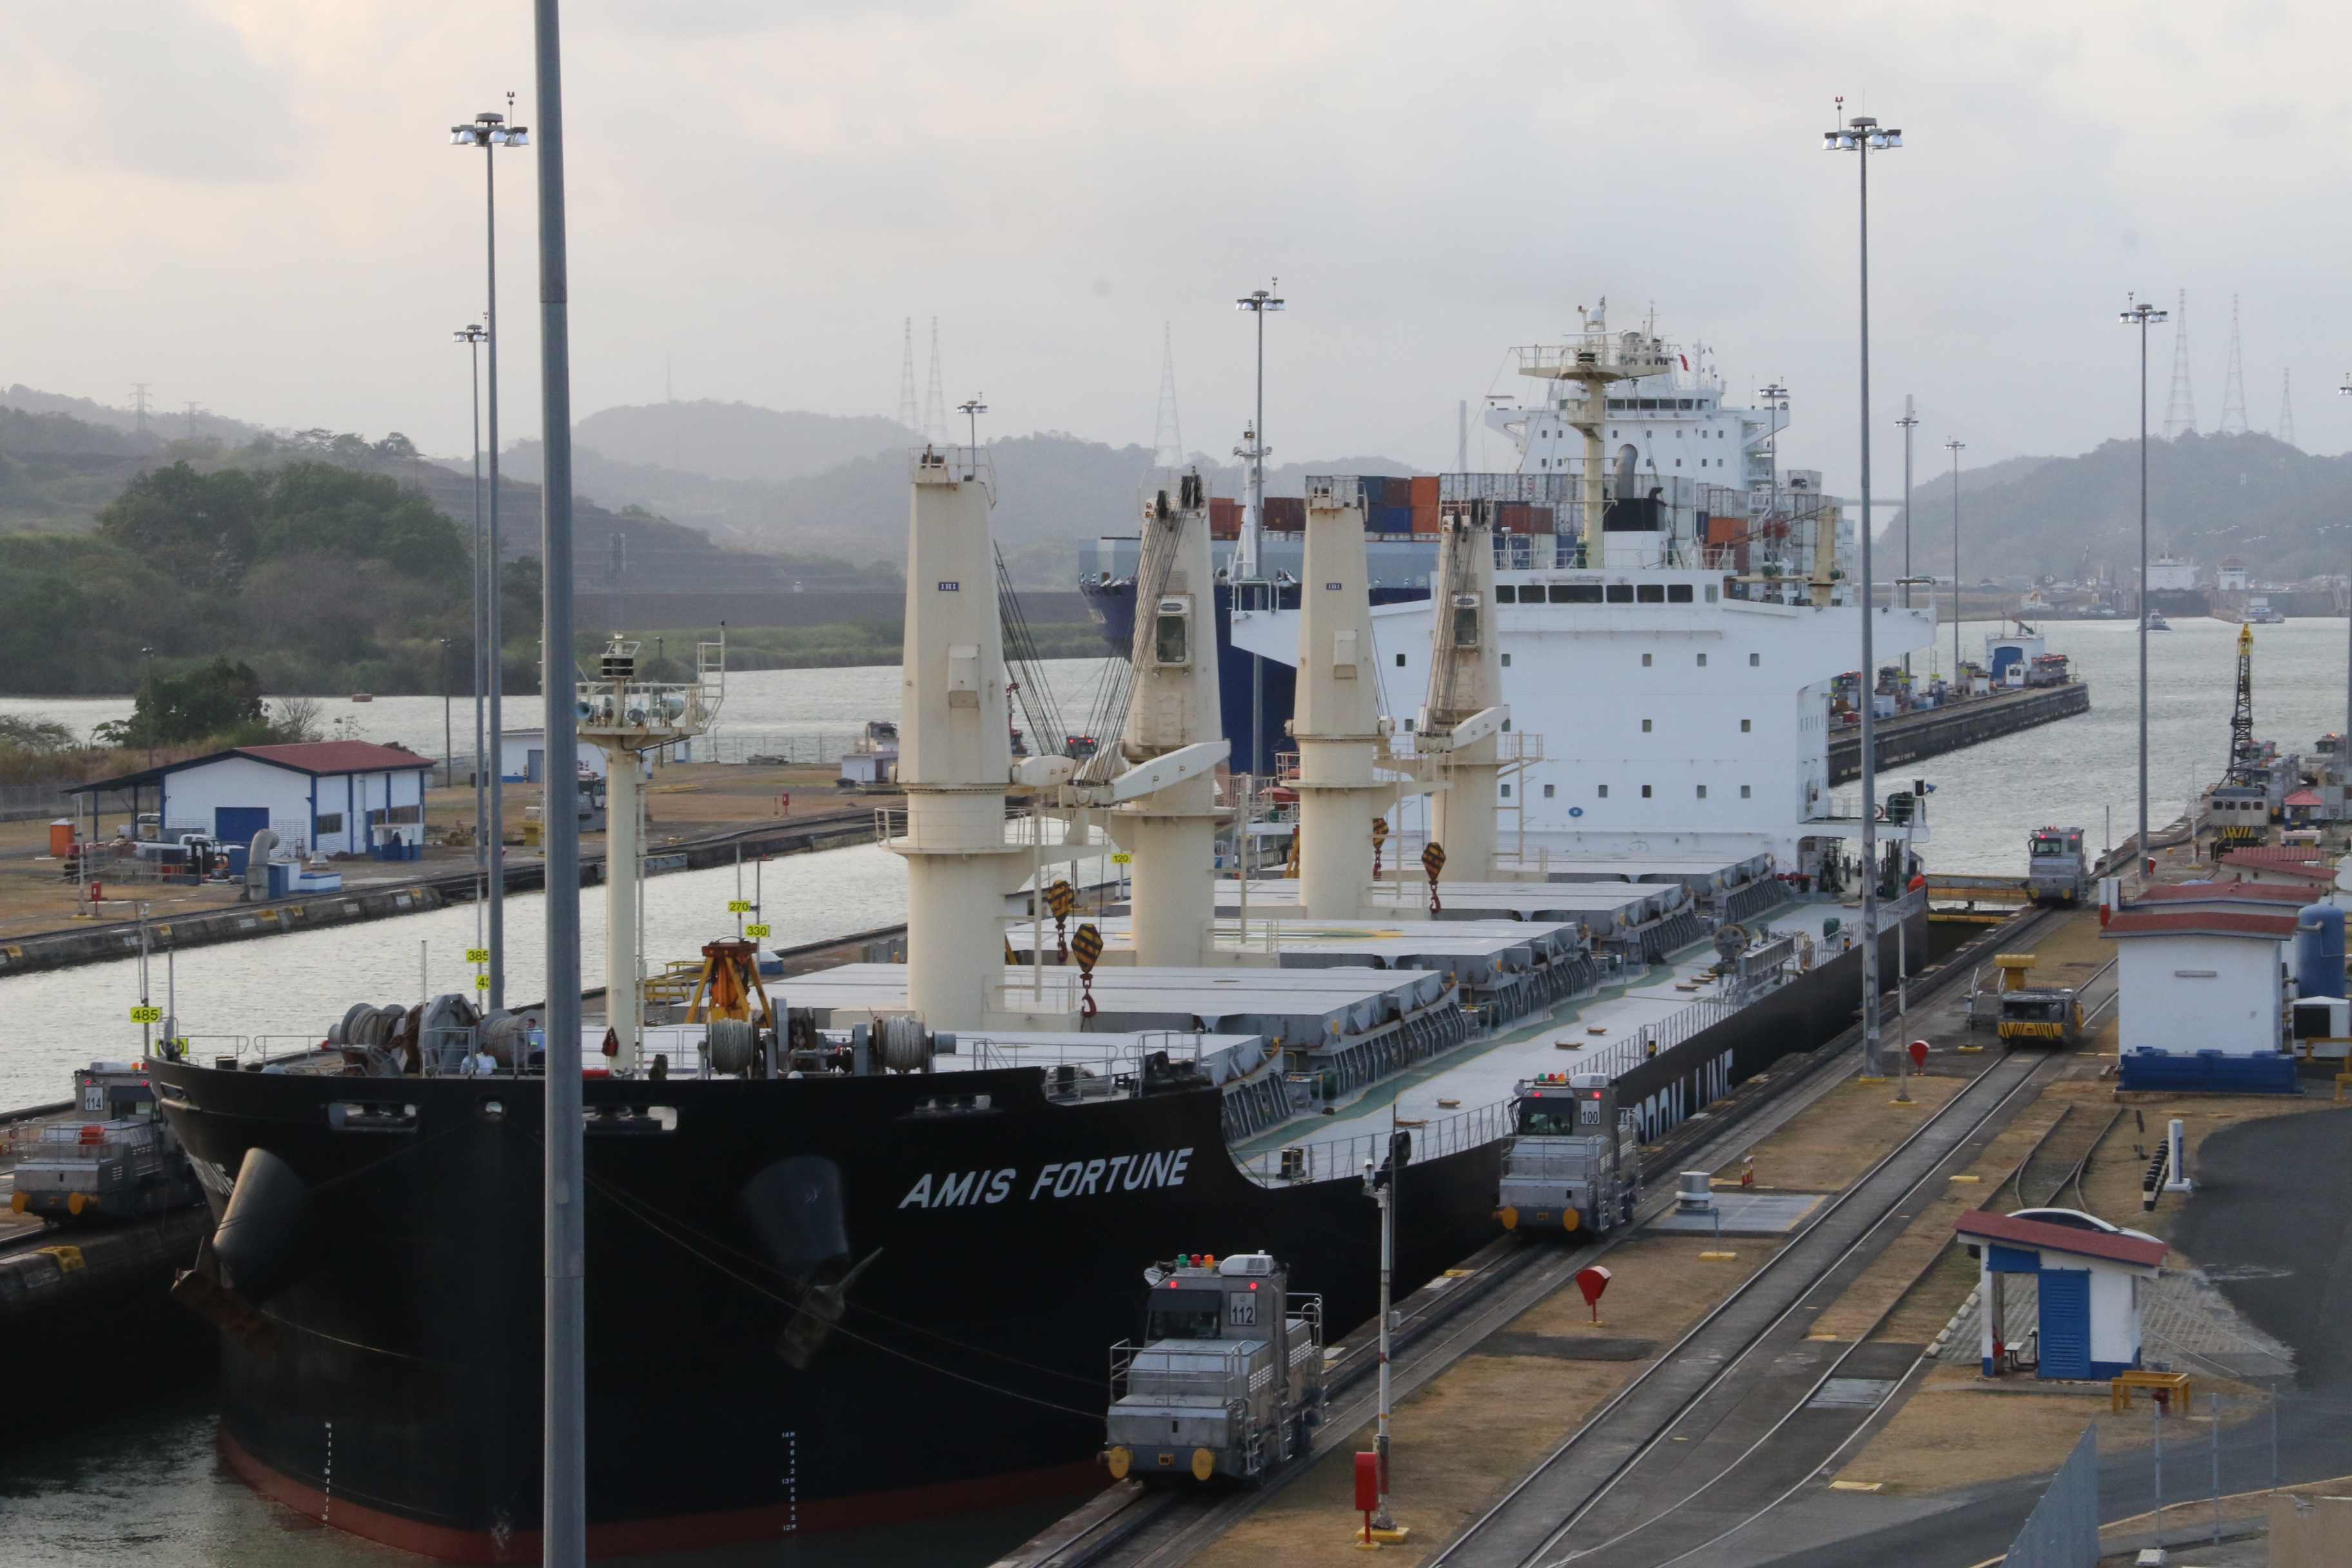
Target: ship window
{"x":1710,"y":593}
{"x":1645,"y":664}
{"x":1505,"y":593}
{"x":1678,"y":594}
{"x":1650,"y":593}
{"x":1684,"y":403}
{"x":1746,"y":725}
{"x":1577,"y":593}
{"x":1621,"y":592}
{"x":1743,"y":792}
{"x":1506,"y":661}
{"x":1702,"y":791}
{"x":1754,"y":660}
{"x":1168,"y":639}
{"x":1506,"y":726}
{"x":1546,"y":792}
{"x":1645,"y":791}
{"x":1399,"y":661}
{"x":1605,"y":792}
{"x":1507,"y":792}
{"x":1702,"y":661}
{"x":1646,"y":723}
{"x":1678,"y":462}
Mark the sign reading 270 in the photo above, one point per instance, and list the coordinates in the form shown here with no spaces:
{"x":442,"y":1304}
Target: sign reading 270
{"x":1068,"y":1179}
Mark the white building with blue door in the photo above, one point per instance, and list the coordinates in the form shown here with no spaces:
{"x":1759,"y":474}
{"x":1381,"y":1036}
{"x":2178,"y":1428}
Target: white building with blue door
{"x":324,"y":797}
{"x":2089,"y":1281}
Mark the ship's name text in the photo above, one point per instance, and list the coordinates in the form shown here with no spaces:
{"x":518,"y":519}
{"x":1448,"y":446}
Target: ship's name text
{"x":1071,"y":1179}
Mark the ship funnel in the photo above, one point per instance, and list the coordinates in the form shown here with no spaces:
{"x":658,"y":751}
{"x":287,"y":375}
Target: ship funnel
{"x":954,"y":754}
{"x":1461,"y":719}
{"x":1337,"y":722}
{"x":1171,"y":832}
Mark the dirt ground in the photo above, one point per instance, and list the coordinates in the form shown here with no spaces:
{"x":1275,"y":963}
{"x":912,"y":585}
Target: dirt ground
{"x":1837,"y":1137}
{"x":683,"y":801}
{"x":1450,"y":1455}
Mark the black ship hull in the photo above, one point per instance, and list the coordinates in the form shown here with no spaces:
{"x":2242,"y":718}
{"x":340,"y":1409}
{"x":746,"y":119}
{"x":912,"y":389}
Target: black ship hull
{"x":2180,"y":602}
{"x":983,"y":1259}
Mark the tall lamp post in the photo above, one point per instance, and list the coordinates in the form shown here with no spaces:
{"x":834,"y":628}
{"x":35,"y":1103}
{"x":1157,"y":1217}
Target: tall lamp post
{"x":1910,"y":422}
{"x":972,"y":410}
{"x":1863,"y":135}
{"x":1257,"y":302}
{"x":1956,"y":448}
{"x":491,"y":132}
{"x":472,"y":336}
{"x":2344,"y":743}
{"x":2141,"y":314}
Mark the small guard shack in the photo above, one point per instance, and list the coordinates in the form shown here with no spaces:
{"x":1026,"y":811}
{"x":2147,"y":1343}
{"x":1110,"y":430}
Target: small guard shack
{"x":2088,"y":1282}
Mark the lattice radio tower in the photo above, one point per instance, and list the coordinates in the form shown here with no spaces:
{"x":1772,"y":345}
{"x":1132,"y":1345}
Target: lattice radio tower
{"x":935,"y":402}
{"x":907,"y":413}
{"x":2286,"y":406}
{"x":2234,"y":385}
{"x":2180,"y":413}
{"x":1167,"y":430}
{"x":139,"y":404}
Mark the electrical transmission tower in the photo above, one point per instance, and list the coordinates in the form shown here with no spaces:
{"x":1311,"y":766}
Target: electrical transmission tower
{"x":2286,"y":406}
{"x":192,"y":421}
{"x":2180,"y":413}
{"x":909,"y":416}
{"x":139,"y":404}
{"x":1167,"y":432}
{"x":935,"y":402}
{"x":2234,"y":385}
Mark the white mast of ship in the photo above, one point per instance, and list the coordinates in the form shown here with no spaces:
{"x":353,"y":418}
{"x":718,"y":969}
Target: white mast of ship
{"x":1337,"y":722}
{"x":1463,"y":717}
{"x":1593,"y":360}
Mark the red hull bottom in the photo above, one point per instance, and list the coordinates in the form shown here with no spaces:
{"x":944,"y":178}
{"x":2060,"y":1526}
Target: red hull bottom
{"x":684,"y":1532}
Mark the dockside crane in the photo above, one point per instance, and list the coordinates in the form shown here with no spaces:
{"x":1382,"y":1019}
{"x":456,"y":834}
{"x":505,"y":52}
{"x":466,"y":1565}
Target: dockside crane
{"x":2246,"y":763}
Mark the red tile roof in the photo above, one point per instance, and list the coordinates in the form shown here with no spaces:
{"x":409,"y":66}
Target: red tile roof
{"x":2188,"y":922}
{"x":2217,"y":892}
{"x":2044,"y":1236}
{"x":2303,"y":797}
{"x":337,"y":757}
{"x":2276,"y":857}
{"x":2319,"y":873}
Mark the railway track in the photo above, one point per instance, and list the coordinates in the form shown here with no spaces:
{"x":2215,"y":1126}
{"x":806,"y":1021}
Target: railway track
{"x":1138,"y":1526}
{"x":1629,"y":1487}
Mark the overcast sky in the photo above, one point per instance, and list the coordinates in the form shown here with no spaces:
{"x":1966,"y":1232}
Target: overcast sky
{"x":253,"y":204}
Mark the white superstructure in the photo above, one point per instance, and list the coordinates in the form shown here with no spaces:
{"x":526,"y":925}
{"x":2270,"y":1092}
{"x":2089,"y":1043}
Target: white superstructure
{"x":1681,"y":676}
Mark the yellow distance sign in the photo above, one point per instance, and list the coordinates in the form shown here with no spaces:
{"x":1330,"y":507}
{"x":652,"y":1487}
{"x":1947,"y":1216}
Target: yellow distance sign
{"x":146,"y":1015}
{"x":1122,"y":859}
{"x":739,"y":906}
{"x":759,"y":929}
{"x":477,"y":955}
{"x":481,"y":983}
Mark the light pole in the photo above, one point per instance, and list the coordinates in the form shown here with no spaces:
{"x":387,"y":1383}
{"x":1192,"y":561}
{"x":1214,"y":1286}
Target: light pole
{"x":1776,"y":399}
{"x":1379,"y":1186}
{"x":148,"y":655}
{"x":1253,"y":451}
{"x":2140,"y":314}
{"x":1910,"y":422}
{"x":2344,"y":743}
{"x":1956,"y":448}
{"x":472,"y":336}
{"x":489,"y":132}
{"x":972,"y":411}
{"x":1863,"y":135}
{"x":449,"y":745}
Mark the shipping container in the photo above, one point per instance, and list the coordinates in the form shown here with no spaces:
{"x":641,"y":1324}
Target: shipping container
{"x":1426,"y":518}
{"x":1425,"y":491}
{"x":1513,"y":517}
{"x":1726,"y":529}
{"x":1386,"y":519}
{"x":1288,"y":513}
{"x":1540,"y":519}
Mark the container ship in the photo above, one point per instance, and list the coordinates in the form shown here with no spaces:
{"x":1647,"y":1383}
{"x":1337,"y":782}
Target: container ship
{"x":1675,"y":430}
{"x":855,"y":1250}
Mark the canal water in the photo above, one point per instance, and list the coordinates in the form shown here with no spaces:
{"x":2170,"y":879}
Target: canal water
{"x":146,"y":1487}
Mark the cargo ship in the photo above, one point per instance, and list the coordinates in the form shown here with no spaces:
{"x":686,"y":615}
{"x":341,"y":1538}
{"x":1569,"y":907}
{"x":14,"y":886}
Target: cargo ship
{"x":1677,"y":430}
{"x":854,"y":1251}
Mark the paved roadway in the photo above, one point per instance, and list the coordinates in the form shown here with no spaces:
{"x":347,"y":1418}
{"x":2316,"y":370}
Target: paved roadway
{"x":2267,"y":1223}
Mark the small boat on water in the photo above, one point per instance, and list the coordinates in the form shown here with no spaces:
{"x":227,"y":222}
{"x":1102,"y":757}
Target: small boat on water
{"x":2157,"y":623}
{"x":363,"y":696}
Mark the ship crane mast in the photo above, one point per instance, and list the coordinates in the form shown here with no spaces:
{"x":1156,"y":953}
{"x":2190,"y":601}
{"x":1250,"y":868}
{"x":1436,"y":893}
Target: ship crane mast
{"x":1593,"y":360}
